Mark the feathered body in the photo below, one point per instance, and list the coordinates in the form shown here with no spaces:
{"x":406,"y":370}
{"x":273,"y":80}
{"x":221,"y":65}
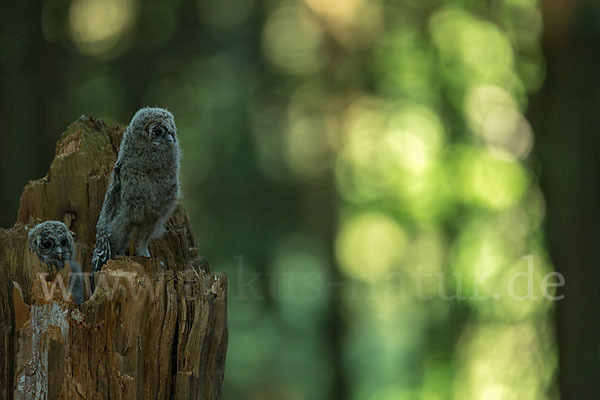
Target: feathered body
{"x":143,"y":190}
{"x":54,"y":244}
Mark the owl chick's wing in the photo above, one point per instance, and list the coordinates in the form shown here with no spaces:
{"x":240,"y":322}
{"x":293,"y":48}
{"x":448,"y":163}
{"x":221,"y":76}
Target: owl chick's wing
{"x":102,"y":251}
{"x":112,"y":197}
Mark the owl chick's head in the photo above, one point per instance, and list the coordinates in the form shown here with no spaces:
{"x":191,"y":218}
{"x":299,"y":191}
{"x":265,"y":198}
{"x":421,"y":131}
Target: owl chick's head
{"x":52,"y":242}
{"x":156,"y":125}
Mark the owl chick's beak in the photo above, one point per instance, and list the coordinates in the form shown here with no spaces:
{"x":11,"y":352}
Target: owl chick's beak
{"x":60,"y":253}
{"x":171,"y":138}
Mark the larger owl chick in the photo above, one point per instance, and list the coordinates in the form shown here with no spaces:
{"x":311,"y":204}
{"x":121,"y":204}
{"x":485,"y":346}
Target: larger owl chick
{"x":143,"y":190}
{"x":54,"y":244}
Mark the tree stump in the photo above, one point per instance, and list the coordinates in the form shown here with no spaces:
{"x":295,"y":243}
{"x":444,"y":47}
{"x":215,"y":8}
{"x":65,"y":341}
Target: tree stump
{"x":155,"y":328}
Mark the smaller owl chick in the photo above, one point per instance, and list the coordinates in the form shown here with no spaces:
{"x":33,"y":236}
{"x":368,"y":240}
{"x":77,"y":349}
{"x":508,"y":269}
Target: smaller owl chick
{"x":143,"y":190}
{"x":53,"y":244}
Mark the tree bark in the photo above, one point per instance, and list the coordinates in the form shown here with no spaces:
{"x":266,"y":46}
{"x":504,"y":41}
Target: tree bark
{"x":564,"y":116}
{"x":155,"y":328}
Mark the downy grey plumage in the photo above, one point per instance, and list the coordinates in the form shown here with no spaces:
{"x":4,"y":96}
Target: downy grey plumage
{"x":54,"y":244}
{"x":143,"y":190}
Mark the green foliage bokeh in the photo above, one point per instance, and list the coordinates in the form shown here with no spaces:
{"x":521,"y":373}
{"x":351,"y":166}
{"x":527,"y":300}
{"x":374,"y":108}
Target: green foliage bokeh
{"x":360,"y":169}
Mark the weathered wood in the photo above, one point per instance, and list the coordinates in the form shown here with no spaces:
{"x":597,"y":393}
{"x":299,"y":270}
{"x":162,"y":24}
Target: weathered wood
{"x":154,"y":329}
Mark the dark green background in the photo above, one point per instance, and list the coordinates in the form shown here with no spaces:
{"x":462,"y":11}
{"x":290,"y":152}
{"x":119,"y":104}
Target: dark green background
{"x":352,"y":164}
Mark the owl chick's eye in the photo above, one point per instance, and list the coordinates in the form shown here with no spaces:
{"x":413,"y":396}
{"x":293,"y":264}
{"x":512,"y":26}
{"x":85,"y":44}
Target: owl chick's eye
{"x":158,"y":130}
{"x":63,"y":242}
{"x":47,"y":244}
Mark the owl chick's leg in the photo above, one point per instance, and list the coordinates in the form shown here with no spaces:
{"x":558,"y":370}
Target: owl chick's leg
{"x":119,"y":237}
{"x":142,"y":241}
{"x":133,"y":240}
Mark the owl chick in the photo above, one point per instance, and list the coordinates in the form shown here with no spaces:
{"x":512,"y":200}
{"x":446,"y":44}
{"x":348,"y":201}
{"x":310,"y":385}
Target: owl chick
{"x":143,"y":190}
{"x":53,"y":244}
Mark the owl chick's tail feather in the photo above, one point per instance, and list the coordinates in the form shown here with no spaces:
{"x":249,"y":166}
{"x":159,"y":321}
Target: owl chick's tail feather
{"x":101,"y":255}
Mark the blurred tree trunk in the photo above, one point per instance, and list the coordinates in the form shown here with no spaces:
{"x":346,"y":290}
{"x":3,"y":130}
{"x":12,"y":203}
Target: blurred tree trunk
{"x":564,"y":115}
{"x":154,"y":328}
{"x":31,"y":81}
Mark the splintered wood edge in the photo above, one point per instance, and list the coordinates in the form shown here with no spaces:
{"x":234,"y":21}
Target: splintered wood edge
{"x":144,"y":275}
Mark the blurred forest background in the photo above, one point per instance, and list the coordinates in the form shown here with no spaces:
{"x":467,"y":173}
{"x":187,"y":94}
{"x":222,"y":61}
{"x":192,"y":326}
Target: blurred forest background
{"x":371,"y":174}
